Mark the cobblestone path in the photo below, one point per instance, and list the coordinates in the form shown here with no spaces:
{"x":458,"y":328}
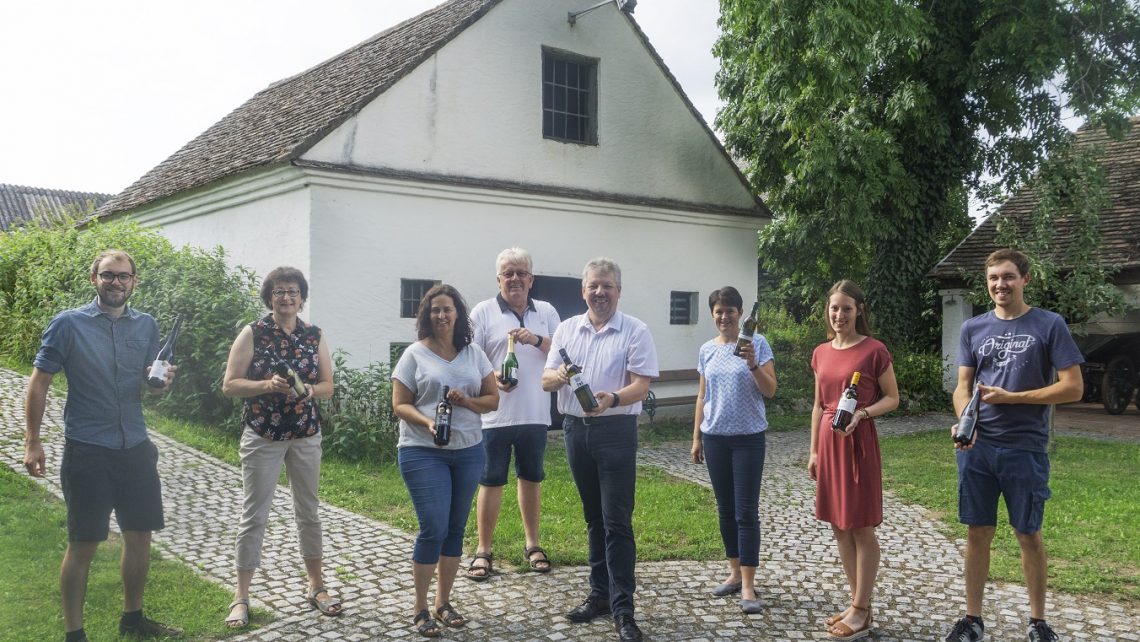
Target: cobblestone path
{"x":799,"y":581}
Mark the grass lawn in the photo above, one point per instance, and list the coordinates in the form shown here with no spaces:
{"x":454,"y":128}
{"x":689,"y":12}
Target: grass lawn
{"x":1091,"y":521}
{"x":663,"y":517}
{"x":33,"y":537}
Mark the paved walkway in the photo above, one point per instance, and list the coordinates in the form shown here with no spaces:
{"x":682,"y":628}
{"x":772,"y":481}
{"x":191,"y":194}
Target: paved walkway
{"x":799,"y":582}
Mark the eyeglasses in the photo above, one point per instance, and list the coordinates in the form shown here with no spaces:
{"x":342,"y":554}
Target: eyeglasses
{"x":281,"y":294}
{"x":510,"y":274}
{"x":111,"y":277}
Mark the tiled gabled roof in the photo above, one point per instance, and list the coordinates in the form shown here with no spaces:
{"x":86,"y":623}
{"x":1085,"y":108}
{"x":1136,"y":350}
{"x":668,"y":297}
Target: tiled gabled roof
{"x":1119,"y":222}
{"x":19,"y":204}
{"x":282,"y":121}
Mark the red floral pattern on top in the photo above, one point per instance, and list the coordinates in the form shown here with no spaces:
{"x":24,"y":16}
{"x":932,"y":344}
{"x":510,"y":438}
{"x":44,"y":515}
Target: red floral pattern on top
{"x":276,"y":416}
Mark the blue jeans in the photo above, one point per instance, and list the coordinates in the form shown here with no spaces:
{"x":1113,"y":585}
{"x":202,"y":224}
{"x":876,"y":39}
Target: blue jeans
{"x":736,"y":465}
{"x":442,"y":483}
{"x":603,"y":460}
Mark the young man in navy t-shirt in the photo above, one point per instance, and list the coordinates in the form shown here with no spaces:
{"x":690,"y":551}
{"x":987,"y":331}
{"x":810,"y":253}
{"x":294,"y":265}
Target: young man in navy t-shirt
{"x":1011,"y":353}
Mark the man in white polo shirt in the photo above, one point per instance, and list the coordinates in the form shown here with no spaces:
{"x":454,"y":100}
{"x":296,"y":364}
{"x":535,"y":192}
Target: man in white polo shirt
{"x":524,"y":407}
{"x":618,"y":359}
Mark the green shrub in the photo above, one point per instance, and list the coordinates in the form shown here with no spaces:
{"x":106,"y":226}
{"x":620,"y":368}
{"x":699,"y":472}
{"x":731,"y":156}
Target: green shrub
{"x":919,"y":375}
{"x":792,"y":344}
{"x":920,"y":383}
{"x":357,"y":421}
{"x":45,"y":270}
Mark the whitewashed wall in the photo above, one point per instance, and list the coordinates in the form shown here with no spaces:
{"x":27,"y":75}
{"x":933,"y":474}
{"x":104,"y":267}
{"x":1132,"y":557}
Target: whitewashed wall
{"x":475,"y":109}
{"x":375,"y":231}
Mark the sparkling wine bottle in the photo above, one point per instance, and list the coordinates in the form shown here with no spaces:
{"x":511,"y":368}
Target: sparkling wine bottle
{"x":508,"y":375}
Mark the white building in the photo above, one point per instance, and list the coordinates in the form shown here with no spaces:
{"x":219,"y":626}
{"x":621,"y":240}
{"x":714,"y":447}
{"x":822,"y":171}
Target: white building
{"x":418,"y":155}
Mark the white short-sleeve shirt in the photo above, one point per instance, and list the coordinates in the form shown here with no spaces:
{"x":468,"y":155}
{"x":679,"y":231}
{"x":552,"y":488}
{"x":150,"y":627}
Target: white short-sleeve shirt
{"x":606,"y":356}
{"x":528,"y":403}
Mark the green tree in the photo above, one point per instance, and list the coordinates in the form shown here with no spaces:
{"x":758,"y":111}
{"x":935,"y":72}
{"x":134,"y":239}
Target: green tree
{"x":867,"y":123}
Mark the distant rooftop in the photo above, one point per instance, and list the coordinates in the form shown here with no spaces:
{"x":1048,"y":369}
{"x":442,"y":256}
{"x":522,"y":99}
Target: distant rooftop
{"x":20,"y":204}
{"x":1119,"y":221}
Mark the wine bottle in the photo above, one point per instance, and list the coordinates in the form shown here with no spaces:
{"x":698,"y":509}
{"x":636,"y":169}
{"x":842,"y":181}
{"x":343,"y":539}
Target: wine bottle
{"x":443,"y":419}
{"x":578,"y":383}
{"x":281,"y":367}
{"x":508,"y":375}
{"x":747,"y":330}
{"x":969,"y":419}
{"x":846,"y":409}
{"x":157,"y":377}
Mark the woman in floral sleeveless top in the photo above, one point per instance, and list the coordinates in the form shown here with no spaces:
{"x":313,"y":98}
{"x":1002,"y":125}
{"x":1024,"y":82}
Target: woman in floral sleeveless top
{"x":279,"y":365}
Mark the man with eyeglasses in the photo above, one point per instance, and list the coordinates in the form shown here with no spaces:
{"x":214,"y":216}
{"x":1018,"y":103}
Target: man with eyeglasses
{"x":521,"y":421}
{"x":109,"y":463}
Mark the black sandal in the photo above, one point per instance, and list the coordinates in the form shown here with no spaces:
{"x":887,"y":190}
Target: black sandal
{"x":449,"y":616}
{"x":541,"y":565}
{"x":480,"y":572}
{"x":428,"y":628}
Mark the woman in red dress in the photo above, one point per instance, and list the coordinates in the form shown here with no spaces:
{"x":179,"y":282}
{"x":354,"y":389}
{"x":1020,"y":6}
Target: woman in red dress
{"x":845,"y":463}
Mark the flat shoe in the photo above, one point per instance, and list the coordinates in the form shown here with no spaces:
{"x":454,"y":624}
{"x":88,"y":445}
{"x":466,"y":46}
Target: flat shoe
{"x":728,"y":588}
{"x":330,"y":607}
{"x":750,"y":606}
{"x":241,"y":621}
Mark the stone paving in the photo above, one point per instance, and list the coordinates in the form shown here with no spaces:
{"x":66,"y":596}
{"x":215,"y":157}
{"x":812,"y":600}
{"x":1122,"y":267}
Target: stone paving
{"x":368,"y":565}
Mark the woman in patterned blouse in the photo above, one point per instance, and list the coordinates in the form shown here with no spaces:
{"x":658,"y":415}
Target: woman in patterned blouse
{"x":728,"y":435}
{"x":281,"y":424}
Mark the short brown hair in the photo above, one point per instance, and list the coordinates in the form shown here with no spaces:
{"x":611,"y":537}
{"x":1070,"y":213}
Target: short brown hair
{"x":463,"y":334}
{"x":727,"y":295}
{"x":283,"y":274}
{"x":851,"y":289}
{"x":1019,"y":259}
{"x":112,"y":254}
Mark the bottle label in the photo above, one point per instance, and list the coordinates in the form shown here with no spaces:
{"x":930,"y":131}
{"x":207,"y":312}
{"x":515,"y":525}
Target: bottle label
{"x":158,"y":369}
{"x":848,"y":404}
{"x":577,"y":382}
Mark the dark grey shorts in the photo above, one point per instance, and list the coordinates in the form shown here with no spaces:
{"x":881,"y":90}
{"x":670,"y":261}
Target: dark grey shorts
{"x":99,"y":480}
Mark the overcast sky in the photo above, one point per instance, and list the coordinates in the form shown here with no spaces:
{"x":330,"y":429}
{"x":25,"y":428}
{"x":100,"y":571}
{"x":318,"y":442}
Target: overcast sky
{"x":94,"y":94}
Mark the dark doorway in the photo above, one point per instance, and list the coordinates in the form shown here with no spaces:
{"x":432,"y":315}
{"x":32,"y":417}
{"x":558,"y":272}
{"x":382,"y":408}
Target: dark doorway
{"x":563,"y":292}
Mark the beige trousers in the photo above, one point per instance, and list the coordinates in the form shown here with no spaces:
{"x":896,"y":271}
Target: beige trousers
{"x":261,"y":461}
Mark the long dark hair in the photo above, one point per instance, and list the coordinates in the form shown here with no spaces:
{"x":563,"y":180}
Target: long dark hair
{"x":851,"y":289}
{"x":463,"y":334}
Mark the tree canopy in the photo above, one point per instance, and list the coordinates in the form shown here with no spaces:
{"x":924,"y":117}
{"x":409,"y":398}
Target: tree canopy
{"x":867,"y":124}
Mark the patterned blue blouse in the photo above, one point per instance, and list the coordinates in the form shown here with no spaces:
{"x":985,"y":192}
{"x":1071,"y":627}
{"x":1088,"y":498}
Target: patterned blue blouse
{"x":733,"y":403}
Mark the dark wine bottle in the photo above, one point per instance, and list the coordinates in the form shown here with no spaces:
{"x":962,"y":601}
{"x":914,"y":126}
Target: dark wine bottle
{"x":281,"y":367}
{"x":443,"y":419}
{"x":846,"y":409}
{"x":969,"y":419}
{"x":508,"y":375}
{"x":747,"y":330}
{"x":578,"y":383}
{"x":157,"y":377}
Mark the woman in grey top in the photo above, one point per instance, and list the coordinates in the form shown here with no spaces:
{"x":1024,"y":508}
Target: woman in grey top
{"x":441,"y":479}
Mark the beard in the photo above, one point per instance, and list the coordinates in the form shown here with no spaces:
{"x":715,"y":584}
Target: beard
{"x":114,"y":298}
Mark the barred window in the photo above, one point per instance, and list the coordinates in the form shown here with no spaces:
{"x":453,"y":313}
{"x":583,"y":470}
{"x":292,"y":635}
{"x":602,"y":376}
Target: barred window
{"x":682,"y":308}
{"x":569,"y":98}
{"x":411,"y":291}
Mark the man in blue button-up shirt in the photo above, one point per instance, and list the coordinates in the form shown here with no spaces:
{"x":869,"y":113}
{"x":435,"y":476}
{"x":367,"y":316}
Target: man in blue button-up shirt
{"x":104,"y":348}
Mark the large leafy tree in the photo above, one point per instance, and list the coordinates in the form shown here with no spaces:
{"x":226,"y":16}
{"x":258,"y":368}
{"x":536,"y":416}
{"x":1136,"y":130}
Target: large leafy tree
{"x":866,"y":125}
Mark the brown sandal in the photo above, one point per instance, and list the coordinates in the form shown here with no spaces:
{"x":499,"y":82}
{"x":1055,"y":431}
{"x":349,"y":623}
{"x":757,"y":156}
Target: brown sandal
{"x":449,"y":616}
{"x":840,"y":632}
{"x":480,"y":572}
{"x":428,"y":628}
{"x":540,"y":565}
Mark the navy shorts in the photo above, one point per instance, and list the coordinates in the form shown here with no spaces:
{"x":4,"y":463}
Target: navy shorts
{"x":99,"y":480}
{"x":529,"y":443}
{"x":1021,"y":476}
